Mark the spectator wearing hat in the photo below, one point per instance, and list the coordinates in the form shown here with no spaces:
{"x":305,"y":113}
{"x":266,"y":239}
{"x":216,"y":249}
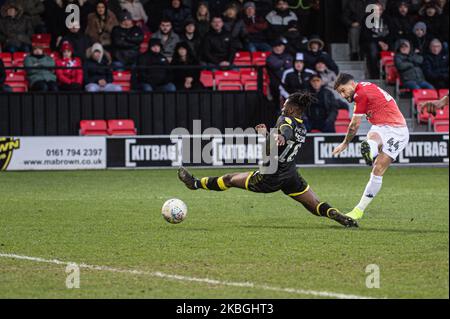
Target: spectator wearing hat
{"x":315,"y":51}
{"x":3,"y":87}
{"x":409,"y":66}
{"x":218,"y":45}
{"x":137,"y":12}
{"x":296,"y":78}
{"x":202,"y":19}
{"x":97,"y":72}
{"x":33,"y":10}
{"x":328,"y":76}
{"x":437,"y":24}
{"x":296,"y":42}
{"x":186,"y":78}
{"x":353,"y":15}
{"x":256,"y":27}
{"x":168,"y":37}
{"x":78,"y":39}
{"x":401,"y":22}
{"x":177,"y":13}
{"x":40,"y":75}
{"x":435,"y":65}
{"x":100,"y":24}
{"x":126,"y":40}
{"x":191,"y":36}
{"x":420,"y":39}
{"x":15,"y":29}
{"x":278,"y":62}
{"x":233,"y":24}
{"x":158,"y":77}
{"x":375,"y":37}
{"x":69,"y":79}
{"x":279,"y":18}
{"x":321,"y":115}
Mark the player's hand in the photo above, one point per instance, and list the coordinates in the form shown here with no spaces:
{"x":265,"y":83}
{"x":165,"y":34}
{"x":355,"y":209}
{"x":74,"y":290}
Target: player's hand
{"x":339,"y":149}
{"x":261,"y":129}
{"x":279,"y":139}
{"x":429,"y":106}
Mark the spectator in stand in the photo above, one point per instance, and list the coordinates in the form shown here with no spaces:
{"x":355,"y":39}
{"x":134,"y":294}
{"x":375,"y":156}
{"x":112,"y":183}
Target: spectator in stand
{"x":374,"y":39}
{"x":202,"y":19}
{"x":256,"y":27}
{"x":353,"y":16}
{"x":409,"y":66}
{"x":315,"y":51}
{"x":69,"y":79}
{"x":217,"y":7}
{"x":177,"y":13}
{"x":328,"y":76}
{"x":296,"y":42}
{"x":126,"y":40}
{"x":156,"y":78}
{"x":278,"y":62}
{"x":55,"y":15}
{"x":15,"y":29}
{"x":279,"y":18}
{"x":3,"y":87}
{"x":321,"y":115}
{"x":435,"y":65}
{"x":33,"y":10}
{"x":218,"y":46}
{"x":186,"y":79}
{"x":100,"y":24}
{"x":402,"y":22}
{"x":40,"y":79}
{"x":234,"y":25}
{"x":296,"y":78}
{"x":168,"y":37}
{"x":138,"y":15}
{"x":420,"y":38}
{"x":97,"y":72}
{"x":191,"y":36}
{"x":430,"y":13}
{"x":79,"y":41}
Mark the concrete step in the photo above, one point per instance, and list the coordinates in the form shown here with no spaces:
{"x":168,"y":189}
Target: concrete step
{"x":351,"y":65}
{"x":340,"y":51}
{"x":359,"y":75}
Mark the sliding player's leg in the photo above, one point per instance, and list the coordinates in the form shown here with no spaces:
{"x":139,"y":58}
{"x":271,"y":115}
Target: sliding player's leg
{"x":214,"y":183}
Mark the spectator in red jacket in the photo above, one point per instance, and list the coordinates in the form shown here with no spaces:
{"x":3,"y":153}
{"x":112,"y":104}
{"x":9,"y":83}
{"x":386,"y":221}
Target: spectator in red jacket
{"x":69,"y":79}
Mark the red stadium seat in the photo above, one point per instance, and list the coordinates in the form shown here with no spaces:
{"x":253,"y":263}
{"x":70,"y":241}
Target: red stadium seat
{"x":19,"y":86}
{"x":122,"y":78}
{"x":242,"y":58}
{"x":55,"y":55}
{"x":15,"y":77}
{"x":441,"y":126}
{"x":387,"y":58}
{"x":316,"y":131}
{"x":121,"y":127}
{"x":144,"y":45}
{"x":423,"y":95}
{"x":6,"y":57}
{"x":441,"y":115}
{"x":442,"y":93}
{"x":228,"y":80}
{"x":43,"y":39}
{"x":343,"y":115}
{"x":18,"y":58}
{"x":93,"y":127}
{"x":207,"y":78}
{"x":391,"y":74}
{"x":341,"y":127}
{"x":259,"y":58}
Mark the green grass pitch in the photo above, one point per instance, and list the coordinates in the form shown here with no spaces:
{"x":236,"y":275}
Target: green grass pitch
{"x":112,"y":218}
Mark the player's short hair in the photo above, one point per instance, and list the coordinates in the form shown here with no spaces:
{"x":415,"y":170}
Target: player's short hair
{"x":343,"y":79}
{"x":302,"y":100}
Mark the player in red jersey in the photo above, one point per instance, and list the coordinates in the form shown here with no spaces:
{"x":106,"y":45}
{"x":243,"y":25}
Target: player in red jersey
{"x":387,"y":137}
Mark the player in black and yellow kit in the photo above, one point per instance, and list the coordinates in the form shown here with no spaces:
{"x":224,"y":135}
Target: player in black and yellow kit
{"x":291,"y":134}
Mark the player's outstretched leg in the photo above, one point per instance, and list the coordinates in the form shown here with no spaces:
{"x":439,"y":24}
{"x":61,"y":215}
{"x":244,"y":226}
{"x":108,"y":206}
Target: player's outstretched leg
{"x":373,"y":186}
{"x":311,"y":202}
{"x":215,"y":183}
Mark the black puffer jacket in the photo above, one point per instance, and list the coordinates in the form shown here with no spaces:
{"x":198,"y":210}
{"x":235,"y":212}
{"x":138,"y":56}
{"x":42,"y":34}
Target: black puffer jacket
{"x":95,"y":71}
{"x":153,"y":76}
{"x":15,"y":31}
{"x":218,"y":47}
{"x":435,"y":67}
{"x":178,"y":17}
{"x":126,"y":43}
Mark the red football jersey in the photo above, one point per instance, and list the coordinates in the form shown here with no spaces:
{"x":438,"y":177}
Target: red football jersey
{"x":379,"y":107}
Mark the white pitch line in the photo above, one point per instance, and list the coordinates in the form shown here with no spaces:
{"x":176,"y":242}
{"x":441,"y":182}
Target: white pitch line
{"x":192,"y":279}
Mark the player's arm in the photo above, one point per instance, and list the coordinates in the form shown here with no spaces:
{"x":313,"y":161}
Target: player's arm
{"x":352,"y":130}
{"x":432,"y":106}
{"x":286,"y":132}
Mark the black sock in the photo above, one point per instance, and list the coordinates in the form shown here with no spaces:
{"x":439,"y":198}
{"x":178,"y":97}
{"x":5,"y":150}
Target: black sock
{"x":211,"y":183}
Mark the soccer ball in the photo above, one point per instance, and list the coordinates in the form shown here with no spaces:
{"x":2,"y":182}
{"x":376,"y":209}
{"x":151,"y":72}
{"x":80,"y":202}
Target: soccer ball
{"x":174,"y":211}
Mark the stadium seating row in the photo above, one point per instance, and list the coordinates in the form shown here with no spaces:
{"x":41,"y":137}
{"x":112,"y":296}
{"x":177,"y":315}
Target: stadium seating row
{"x":442,"y":116}
{"x":110,"y":127}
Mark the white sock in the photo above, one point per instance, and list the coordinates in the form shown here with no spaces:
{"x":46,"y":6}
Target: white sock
{"x":373,"y":147}
{"x":372,"y":189}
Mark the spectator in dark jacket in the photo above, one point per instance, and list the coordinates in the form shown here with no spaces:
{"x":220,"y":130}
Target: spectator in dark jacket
{"x":97,"y":72}
{"x":353,"y":17}
{"x":256,"y":27}
{"x":402,"y":22}
{"x":315,"y":51}
{"x":420,"y":40}
{"x":218,"y":45}
{"x":126,"y":40}
{"x":322,"y":114}
{"x":202,"y":19}
{"x":154,"y":79}
{"x":296,"y":42}
{"x":279,"y":18}
{"x":186,"y":79}
{"x":430,"y":13}
{"x":168,"y":37}
{"x":375,"y":37}
{"x":177,"y":13}
{"x":278,"y":62}
{"x":15,"y":28}
{"x":79,"y":41}
{"x":3,"y":87}
{"x":435,"y":65}
{"x":233,"y":24}
{"x":295,"y":78}
{"x":33,"y":10}
{"x":191,"y":36}
{"x":409,"y":66}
